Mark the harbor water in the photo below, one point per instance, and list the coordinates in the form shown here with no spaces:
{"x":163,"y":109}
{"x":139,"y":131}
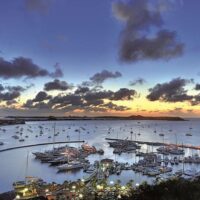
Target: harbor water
{"x":18,"y":163}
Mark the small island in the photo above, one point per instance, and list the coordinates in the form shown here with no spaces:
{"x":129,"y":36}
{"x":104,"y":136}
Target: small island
{"x":11,"y":121}
{"x":132,"y":117}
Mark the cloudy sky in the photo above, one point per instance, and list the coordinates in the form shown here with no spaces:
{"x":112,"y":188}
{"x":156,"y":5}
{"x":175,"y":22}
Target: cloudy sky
{"x":100,"y":57}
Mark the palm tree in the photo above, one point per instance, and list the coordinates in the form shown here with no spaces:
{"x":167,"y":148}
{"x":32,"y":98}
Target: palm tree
{"x":118,"y":184}
{"x":130,"y":183}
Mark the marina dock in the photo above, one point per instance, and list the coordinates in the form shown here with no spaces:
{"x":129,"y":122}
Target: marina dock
{"x":158,"y":143}
{"x":41,"y":144}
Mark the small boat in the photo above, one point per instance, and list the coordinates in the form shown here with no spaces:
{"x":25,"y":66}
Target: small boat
{"x":70,"y":166}
{"x":188,"y":134}
{"x":190,"y":172}
{"x":100,"y":151}
{"x":117,"y":151}
{"x":106,"y":174}
{"x":15,"y":137}
{"x":118,"y":171}
{"x":172,"y":162}
{"x":176,"y":160}
{"x":58,"y":161}
{"x":90,"y":169}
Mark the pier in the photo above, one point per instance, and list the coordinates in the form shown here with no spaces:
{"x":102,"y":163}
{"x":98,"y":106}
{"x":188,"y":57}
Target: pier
{"x":158,"y":143}
{"x":41,"y":144}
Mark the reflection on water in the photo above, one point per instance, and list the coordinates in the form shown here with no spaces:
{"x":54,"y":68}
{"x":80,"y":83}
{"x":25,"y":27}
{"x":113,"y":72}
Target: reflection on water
{"x":13,"y":163}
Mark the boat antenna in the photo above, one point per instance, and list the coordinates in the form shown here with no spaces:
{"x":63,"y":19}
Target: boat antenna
{"x":27,"y":162}
{"x":54,"y":132}
{"x":183,"y":161}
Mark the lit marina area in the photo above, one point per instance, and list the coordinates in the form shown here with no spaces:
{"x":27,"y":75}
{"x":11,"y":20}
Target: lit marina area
{"x":98,"y":159}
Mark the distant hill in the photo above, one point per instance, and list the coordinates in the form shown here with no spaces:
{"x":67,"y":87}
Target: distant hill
{"x":11,"y":121}
{"x":132,"y":117}
{"x":139,"y":117}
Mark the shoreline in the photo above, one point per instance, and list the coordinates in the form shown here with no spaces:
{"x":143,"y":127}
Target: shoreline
{"x":132,"y":117}
{"x":10,"y":195}
{"x":4,"y":122}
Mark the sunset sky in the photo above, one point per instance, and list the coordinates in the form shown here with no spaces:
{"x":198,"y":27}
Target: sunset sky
{"x":100,"y":57}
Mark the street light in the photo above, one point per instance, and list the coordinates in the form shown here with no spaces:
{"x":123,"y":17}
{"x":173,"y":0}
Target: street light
{"x":123,"y":187}
{"x":111,"y":182}
{"x":47,"y":190}
{"x":25,"y":189}
{"x":73,"y":187}
{"x":99,"y":187}
{"x":119,"y":196}
{"x":137,"y":185}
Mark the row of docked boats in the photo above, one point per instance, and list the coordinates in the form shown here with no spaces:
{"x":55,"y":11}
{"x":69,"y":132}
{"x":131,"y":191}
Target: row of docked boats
{"x":124,"y":146}
{"x":166,"y":150}
{"x":73,"y":165}
{"x":67,"y":158}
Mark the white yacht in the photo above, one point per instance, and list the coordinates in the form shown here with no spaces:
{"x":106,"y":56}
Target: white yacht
{"x":70,"y":166}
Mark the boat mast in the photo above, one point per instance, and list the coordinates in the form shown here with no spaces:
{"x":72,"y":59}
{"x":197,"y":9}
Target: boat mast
{"x":54,"y":132}
{"x":176,"y":138}
{"x":79,"y":137}
{"x":27,"y":162}
{"x":183,"y":169}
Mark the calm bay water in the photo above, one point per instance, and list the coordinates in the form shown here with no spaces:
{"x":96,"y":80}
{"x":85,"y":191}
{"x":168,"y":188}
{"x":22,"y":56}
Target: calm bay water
{"x":13,"y":165}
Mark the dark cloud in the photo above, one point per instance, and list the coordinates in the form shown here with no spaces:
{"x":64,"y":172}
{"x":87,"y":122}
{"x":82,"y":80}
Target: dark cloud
{"x":139,"y":81}
{"x":10,"y":93}
{"x":82,"y":90}
{"x":28,"y":104}
{"x":58,"y":72}
{"x":197,"y":86}
{"x":100,"y":77}
{"x":94,"y":102}
{"x":15,"y":88}
{"x":86,"y":84}
{"x":41,"y":105}
{"x":84,"y":99}
{"x":1,"y":87}
{"x":89,"y":96}
{"x":172,"y":91}
{"x":66,"y":101}
{"x":112,"y":106}
{"x":38,"y":101}
{"x":38,"y":106}
{"x":57,"y":85}
{"x":11,"y":102}
{"x":24,"y":67}
{"x":7,"y":96}
{"x":105,"y":94}
{"x":123,"y":94}
{"x":41,"y":96}
{"x":196,"y":100}
{"x":137,"y":42}
{"x":30,"y":86}
{"x":41,"y":6}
